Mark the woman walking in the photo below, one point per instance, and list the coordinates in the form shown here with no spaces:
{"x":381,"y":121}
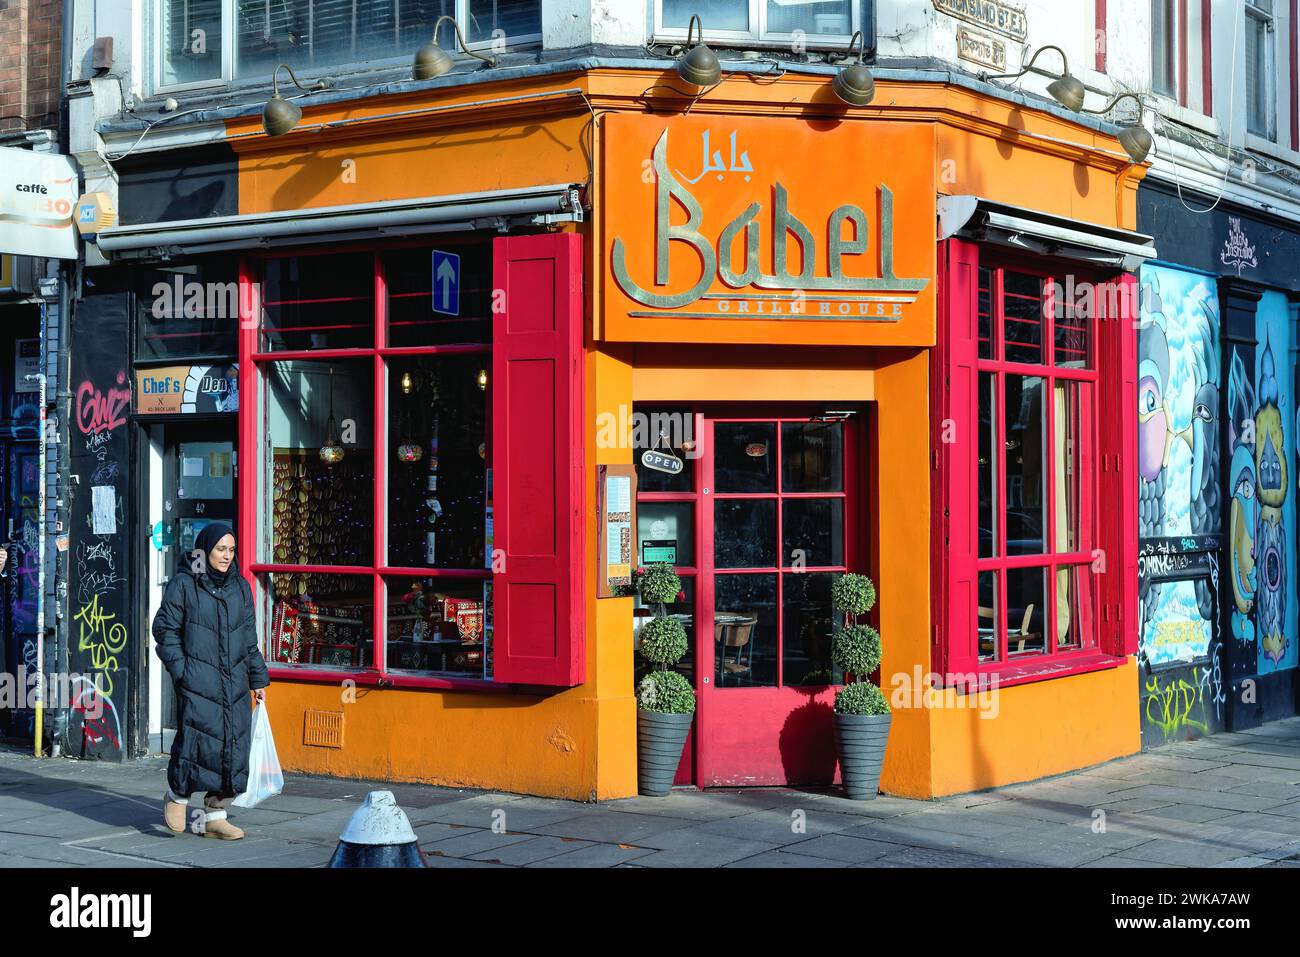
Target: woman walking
{"x":207,"y":640}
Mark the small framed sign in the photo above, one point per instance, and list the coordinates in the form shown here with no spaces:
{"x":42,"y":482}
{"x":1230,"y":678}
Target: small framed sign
{"x":655,"y":550}
{"x":616,"y":514}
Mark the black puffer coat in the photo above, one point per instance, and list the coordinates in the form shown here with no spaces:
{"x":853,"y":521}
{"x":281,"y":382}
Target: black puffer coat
{"x":207,"y":640}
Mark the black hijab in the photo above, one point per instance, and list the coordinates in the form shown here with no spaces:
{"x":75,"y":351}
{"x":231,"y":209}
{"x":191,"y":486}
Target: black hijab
{"x":207,"y":540}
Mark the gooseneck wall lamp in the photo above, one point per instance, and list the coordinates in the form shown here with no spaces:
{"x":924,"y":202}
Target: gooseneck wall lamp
{"x":1135,"y":139}
{"x":697,"y":64}
{"x":279,"y":116}
{"x":432,"y":60}
{"x":854,"y":84}
{"x":1066,"y":90}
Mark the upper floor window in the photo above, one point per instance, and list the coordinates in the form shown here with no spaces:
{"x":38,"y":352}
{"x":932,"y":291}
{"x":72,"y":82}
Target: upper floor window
{"x":1260,"y":95}
{"x":1164,"y":48}
{"x":204,"y":42}
{"x":771,"y":21}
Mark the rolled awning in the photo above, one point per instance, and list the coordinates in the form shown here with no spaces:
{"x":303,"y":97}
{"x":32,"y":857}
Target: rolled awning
{"x":983,"y":220}
{"x":494,"y":209}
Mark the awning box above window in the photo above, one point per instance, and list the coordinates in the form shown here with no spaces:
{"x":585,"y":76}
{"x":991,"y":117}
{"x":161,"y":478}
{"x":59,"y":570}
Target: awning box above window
{"x":983,"y":220}
{"x":494,"y":209}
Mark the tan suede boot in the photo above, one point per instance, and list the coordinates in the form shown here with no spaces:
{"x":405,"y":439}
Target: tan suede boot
{"x":174,"y":814}
{"x":216,"y":825}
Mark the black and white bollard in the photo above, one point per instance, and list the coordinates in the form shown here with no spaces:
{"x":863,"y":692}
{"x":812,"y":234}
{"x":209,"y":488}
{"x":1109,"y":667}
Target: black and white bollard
{"x":378,"y":835}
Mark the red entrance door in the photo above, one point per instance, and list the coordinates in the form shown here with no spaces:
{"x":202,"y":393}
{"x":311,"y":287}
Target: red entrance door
{"x":781,"y":518}
{"x":769,"y":512}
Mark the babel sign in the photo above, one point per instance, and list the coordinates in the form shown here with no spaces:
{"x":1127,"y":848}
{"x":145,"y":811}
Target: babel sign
{"x":743,"y":229}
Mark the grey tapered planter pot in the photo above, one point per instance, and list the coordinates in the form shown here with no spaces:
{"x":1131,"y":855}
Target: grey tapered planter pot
{"x":861,"y":740}
{"x":659,"y":742}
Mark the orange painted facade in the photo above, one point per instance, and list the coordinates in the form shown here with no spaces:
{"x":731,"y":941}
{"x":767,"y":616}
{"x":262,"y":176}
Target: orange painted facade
{"x":581,"y":743}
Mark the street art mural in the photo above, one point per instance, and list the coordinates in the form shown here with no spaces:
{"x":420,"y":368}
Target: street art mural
{"x":1178,"y":461}
{"x":1275,"y":521}
{"x":1262,"y":512}
{"x":1179,"y":516}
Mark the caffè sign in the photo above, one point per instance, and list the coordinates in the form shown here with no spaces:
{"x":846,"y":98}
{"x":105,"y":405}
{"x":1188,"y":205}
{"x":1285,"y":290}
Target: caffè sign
{"x":992,"y":15}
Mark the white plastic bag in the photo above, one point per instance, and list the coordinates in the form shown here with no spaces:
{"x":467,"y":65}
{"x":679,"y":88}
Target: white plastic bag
{"x":265,"y":780}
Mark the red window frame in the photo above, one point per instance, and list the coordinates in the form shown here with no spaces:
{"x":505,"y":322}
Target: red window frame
{"x":1105,"y":463}
{"x":999,"y":562}
{"x":252,"y":487}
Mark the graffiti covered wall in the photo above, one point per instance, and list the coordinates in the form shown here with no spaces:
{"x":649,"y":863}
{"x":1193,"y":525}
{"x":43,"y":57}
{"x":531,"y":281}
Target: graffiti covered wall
{"x":1179,"y":506}
{"x":100,"y":646}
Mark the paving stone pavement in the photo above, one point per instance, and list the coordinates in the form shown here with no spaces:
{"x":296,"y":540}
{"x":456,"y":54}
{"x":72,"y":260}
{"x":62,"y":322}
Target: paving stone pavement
{"x":1230,"y":800}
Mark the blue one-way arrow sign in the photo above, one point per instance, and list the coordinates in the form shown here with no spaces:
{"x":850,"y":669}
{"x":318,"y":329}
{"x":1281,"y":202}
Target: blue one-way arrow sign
{"x":446,"y":283}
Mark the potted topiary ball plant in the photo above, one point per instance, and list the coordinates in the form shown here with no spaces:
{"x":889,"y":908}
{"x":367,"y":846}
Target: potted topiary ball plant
{"x":861,"y":710}
{"x":665,"y":699}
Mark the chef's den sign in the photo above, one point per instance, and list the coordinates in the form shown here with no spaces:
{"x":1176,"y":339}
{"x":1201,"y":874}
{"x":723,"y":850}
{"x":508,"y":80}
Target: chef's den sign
{"x":740,"y":229}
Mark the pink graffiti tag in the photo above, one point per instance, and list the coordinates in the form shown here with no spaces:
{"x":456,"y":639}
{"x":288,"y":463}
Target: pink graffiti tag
{"x":101,"y":411}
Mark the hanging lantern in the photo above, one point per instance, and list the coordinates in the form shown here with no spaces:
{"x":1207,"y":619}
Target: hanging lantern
{"x":331,"y":451}
{"x":482,"y":379}
{"x":406,"y":383}
{"x":410,"y":452}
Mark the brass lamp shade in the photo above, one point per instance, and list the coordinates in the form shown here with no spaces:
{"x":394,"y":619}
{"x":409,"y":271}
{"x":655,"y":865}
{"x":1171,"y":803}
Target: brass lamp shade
{"x":699,"y":66}
{"x":279,"y":116}
{"x":431,"y":60}
{"x":854,"y":85}
{"x":1067,"y":91}
{"x":1136,"y":141}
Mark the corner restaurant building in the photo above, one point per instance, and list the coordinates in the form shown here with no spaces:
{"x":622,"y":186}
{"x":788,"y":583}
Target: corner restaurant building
{"x":841,"y":317}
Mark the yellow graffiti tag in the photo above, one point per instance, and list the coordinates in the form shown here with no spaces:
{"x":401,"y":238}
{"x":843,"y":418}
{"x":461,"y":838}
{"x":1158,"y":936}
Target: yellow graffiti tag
{"x":103,"y":637}
{"x":1170,"y":708}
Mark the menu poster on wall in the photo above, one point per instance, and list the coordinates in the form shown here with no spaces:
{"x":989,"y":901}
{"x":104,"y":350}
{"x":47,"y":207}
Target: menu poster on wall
{"x":616,"y":494}
{"x":27,"y":362}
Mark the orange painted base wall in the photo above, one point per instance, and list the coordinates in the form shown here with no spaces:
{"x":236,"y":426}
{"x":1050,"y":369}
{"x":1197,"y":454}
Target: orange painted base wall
{"x":1042,"y":728}
{"x":510,"y":743}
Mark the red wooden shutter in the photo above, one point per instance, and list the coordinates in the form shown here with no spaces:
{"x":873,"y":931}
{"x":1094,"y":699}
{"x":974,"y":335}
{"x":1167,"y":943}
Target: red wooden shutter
{"x":1117,"y":304}
{"x":956,"y":474}
{"x":537,"y":460}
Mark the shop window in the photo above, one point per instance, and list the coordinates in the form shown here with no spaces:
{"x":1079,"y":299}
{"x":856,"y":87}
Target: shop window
{"x":189,"y":311}
{"x":420,"y":314}
{"x":321,"y":512}
{"x":437,"y":625}
{"x":437,"y":472}
{"x":376,"y":515}
{"x":320,"y":619}
{"x":830,"y":22}
{"x":210,"y":41}
{"x":1030,"y":571}
{"x":318,"y":302}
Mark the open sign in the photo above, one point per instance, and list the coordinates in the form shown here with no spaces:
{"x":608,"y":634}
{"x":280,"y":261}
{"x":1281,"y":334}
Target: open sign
{"x":661,"y":462}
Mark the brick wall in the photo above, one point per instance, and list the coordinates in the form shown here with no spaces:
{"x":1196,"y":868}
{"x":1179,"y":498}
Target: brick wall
{"x":31,"y":43}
